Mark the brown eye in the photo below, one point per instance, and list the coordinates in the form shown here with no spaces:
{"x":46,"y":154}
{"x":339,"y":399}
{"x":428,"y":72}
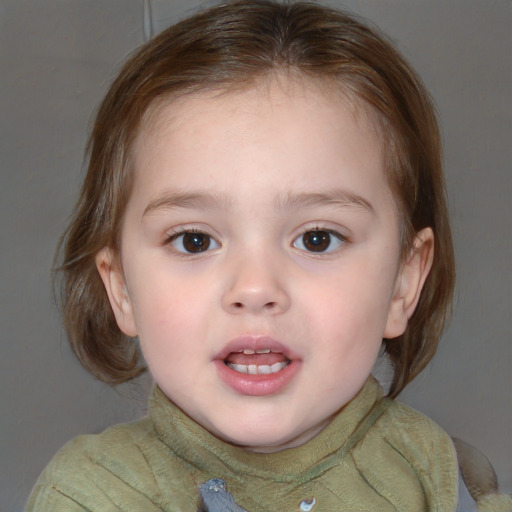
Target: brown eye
{"x":318,"y":241}
{"x":196,"y":242}
{"x":192,"y":242}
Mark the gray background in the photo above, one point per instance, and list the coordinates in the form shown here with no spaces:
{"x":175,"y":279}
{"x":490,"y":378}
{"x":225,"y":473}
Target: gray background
{"x":56,"y":59}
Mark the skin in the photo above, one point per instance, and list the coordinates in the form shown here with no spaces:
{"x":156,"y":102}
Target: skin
{"x":252,"y":172}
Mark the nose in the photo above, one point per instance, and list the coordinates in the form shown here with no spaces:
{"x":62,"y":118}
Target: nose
{"x":256,"y":286}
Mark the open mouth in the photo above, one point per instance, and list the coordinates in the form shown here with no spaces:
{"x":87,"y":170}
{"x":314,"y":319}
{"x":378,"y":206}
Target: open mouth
{"x":256,"y":362}
{"x":257,"y":365}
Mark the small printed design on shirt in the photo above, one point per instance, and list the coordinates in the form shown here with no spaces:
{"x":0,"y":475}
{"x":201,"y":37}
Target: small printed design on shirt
{"x":307,"y":505}
{"x":215,"y":497}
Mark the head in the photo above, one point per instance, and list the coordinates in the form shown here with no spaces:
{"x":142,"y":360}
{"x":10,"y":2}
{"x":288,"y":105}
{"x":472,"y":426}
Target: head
{"x":229,"y":51}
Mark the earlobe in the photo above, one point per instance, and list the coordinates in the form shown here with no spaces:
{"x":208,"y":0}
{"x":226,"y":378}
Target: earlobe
{"x":409,"y":283}
{"x":113,"y":279}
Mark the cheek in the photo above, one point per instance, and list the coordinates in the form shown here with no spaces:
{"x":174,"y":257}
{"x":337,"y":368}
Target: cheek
{"x":349,"y":310}
{"x":153,"y":303}
{"x":167,"y":307}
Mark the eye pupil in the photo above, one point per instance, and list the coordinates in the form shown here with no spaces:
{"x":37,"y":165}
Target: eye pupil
{"x":196,"y":242}
{"x":316,"y":241}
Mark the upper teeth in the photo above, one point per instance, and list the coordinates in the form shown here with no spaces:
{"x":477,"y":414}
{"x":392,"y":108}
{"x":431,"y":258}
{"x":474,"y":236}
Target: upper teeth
{"x":248,"y":351}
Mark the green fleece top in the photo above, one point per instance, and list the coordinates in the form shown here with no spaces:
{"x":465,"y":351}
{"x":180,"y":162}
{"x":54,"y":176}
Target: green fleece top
{"x":376,"y":455}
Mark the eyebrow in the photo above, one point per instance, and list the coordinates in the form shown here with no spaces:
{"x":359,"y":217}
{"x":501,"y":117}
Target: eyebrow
{"x":290,"y":201}
{"x":337,"y":198}
{"x":198,"y":200}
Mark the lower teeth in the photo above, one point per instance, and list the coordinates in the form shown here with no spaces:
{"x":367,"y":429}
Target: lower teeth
{"x":254,"y":369}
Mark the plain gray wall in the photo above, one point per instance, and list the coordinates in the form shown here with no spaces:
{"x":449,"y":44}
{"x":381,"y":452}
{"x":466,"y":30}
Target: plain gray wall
{"x":56,"y":58}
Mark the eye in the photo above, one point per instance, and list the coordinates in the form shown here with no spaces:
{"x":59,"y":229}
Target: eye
{"x":192,"y":242}
{"x":319,"y":241}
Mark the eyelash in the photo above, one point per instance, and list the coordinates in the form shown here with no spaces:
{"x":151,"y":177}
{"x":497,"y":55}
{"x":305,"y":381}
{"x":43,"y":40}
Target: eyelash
{"x":323,"y":236}
{"x":174,"y":238}
{"x":331,"y":234}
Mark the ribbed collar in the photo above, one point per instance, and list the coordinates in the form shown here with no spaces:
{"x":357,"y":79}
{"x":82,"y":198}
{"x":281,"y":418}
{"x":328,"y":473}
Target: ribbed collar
{"x":196,"y":446}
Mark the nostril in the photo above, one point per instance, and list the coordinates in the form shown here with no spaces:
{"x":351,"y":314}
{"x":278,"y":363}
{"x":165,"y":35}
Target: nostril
{"x":238,"y":305}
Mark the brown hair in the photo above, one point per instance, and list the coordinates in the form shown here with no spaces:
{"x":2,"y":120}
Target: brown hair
{"x":229,"y":46}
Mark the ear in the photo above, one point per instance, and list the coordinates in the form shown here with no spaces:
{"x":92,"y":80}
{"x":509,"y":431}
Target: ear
{"x":409,"y":283}
{"x":113,"y":278}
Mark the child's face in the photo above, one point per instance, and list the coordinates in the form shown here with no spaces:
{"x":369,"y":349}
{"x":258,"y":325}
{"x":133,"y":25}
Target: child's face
{"x":259,"y":221}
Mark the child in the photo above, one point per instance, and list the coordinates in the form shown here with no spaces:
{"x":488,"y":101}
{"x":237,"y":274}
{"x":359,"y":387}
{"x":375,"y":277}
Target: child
{"x":264,"y":208}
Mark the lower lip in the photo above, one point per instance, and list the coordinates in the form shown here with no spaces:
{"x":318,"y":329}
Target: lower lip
{"x":257,"y":385}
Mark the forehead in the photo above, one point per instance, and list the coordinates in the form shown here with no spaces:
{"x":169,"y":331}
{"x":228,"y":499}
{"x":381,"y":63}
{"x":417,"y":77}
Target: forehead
{"x":280,"y":123}
{"x":272,"y":93}
{"x":276,"y":88}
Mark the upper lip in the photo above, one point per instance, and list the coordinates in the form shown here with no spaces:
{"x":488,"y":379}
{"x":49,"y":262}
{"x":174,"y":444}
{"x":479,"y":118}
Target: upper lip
{"x":255,"y":343}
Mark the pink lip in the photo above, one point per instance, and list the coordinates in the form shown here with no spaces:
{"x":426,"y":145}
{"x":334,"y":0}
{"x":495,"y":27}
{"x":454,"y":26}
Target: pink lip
{"x":256,"y":385}
{"x":255,"y":343}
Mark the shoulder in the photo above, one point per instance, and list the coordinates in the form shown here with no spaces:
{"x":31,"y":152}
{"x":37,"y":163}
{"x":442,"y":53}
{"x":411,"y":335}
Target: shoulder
{"x":117,"y":445}
{"x":114,"y":470}
{"x":406,"y":448}
{"x":423,"y":443}
{"x":414,"y":433}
